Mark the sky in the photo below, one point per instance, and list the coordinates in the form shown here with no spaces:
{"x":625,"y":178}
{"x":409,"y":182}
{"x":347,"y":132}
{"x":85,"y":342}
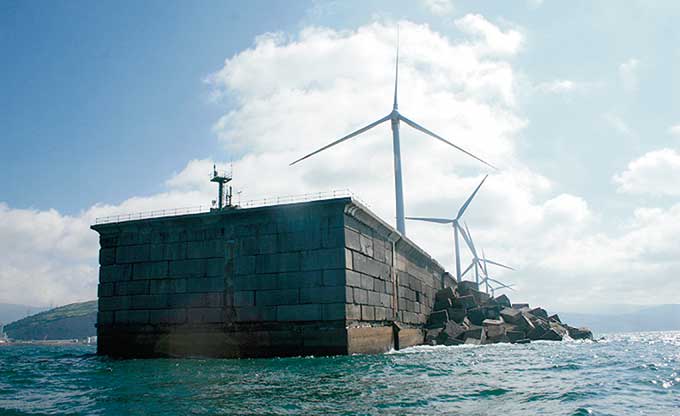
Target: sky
{"x":123,"y":107}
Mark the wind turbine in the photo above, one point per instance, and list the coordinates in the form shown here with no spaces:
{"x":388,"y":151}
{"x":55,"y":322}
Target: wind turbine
{"x":395,"y":117}
{"x":456,"y":226}
{"x":486,"y":280}
{"x":479,"y":263}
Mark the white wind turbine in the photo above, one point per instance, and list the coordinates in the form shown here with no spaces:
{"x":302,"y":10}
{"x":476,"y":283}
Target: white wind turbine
{"x":456,"y":226}
{"x":479,"y":263}
{"x":395,"y":117}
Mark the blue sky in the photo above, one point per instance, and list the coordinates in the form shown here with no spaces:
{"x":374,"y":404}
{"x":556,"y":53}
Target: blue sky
{"x":119,"y":107}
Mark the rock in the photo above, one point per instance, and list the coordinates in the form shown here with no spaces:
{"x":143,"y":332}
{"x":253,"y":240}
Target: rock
{"x":466,"y":285}
{"x":475,"y":332}
{"x":503,"y":301}
{"x":520,"y":306}
{"x":515,"y":336}
{"x":446,"y":293}
{"x":481,"y":298}
{"x":431,"y":336}
{"x":525,"y":323}
{"x":457,"y":314}
{"x":476,"y":316}
{"x":454,"y":341}
{"x":540,"y":328}
{"x":473,"y":341}
{"x":466,"y":302}
{"x":523,"y":341}
{"x":442,"y":303}
{"x":450,"y":332}
{"x":491,"y":312}
{"x":554,"y":318}
{"x":539,"y":312}
{"x":551,"y":335}
{"x":511,"y":315}
{"x":438,"y":319}
{"x":559,"y":329}
{"x":494,"y":329}
{"x":579,"y":333}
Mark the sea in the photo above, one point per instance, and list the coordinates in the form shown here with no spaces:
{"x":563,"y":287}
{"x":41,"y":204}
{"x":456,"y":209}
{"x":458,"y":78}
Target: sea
{"x":621,"y":374}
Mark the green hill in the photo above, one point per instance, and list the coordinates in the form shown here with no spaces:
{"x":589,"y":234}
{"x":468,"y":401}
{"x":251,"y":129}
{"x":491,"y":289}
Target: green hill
{"x":76,"y":320}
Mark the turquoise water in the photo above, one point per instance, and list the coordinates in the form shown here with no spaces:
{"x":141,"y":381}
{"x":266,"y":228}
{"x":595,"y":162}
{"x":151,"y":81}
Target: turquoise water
{"x":626,"y":374}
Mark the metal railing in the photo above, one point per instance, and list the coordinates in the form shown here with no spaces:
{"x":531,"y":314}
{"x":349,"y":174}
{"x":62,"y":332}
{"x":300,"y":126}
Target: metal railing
{"x":289,"y":199}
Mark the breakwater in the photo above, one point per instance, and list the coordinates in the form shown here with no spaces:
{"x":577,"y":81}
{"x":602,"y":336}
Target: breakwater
{"x":315,"y":278}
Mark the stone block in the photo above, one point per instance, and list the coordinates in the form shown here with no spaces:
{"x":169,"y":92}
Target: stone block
{"x":467,"y":302}
{"x":352,"y":312}
{"x":114,"y":303}
{"x":367,"y":282}
{"x":476,"y":316}
{"x":150,"y":270}
{"x":205,"y":249}
{"x":511,"y":315}
{"x":367,"y":313}
{"x":551,"y":335}
{"x":205,"y":284}
{"x":132,"y":254}
{"x":244,"y":298}
{"x":327,"y":258}
{"x":367,"y":265}
{"x":438,"y":319}
{"x":115,"y":273}
{"x":520,"y":306}
{"x":579,"y":333}
{"x":105,"y":318}
{"x":465,"y":286}
{"x":307,"y":312}
{"x":360,"y":296}
{"x":276,"y":297}
{"x":267,"y":244}
{"x":475,"y":333}
{"x":107,"y":256}
{"x":158,"y":301}
{"x":515,"y":336}
{"x":167,"y":316}
{"x":333,"y":237}
{"x":352,"y":239}
{"x":353,"y":278}
{"x":431,"y":335}
{"x":503,"y":301}
{"x":131,"y":317}
{"x":333,"y":311}
{"x":328,"y":294}
{"x":457,"y":314}
{"x":554,"y":318}
{"x":244,"y":265}
{"x":205,"y":315}
{"x":187,"y":268}
{"x":132,"y":287}
{"x":214,"y":267}
{"x":171,"y":251}
{"x":385,"y":300}
{"x":373,"y":298}
{"x":494,"y":328}
{"x":450,"y":332}
{"x":105,"y":289}
{"x":256,"y":282}
{"x":539,"y":312}
{"x":333,"y":277}
{"x":167,"y":286}
{"x":381,"y":313}
{"x":296,"y":280}
{"x":255,"y":314}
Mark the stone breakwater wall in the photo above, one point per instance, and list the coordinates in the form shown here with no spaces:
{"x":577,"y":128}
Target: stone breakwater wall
{"x":323,"y":277}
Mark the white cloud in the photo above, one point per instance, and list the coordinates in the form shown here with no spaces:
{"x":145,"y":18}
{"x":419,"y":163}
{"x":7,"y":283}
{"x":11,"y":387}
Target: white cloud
{"x":628,"y":73}
{"x":535,"y":3}
{"x":674,"y":130}
{"x":654,"y":173}
{"x":618,"y":124}
{"x":439,"y":7}
{"x":459,"y":90}
{"x":564,"y":86}
{"x":495,"y":41}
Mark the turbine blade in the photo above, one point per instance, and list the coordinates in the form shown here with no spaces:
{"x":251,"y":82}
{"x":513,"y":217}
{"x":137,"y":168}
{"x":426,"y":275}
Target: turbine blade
{"x":498,"y":264}
{"x":429,"y":133}
{"x":349,"y":136}
{"x":428,"y":219}
{"x":396,"y":76}
{"x":467,"y":230}
{"x":468,"y":269}
{"x":462,"y":209}
{"x":501,"y":285}
{"x":467,"y":239}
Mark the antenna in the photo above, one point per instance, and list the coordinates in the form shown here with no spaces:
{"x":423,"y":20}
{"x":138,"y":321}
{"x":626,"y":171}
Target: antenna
{"x":223,"y":192}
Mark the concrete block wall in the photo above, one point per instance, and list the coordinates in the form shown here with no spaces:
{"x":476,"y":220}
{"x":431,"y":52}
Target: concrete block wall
{"x":324,"y":277}
{"x":390,"y":277}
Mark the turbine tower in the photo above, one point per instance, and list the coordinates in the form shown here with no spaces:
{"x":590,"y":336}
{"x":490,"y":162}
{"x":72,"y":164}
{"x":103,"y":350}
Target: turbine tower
{"x":479,"y":263}
{"x":456,"y":226}
{"x":395,"y":118}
